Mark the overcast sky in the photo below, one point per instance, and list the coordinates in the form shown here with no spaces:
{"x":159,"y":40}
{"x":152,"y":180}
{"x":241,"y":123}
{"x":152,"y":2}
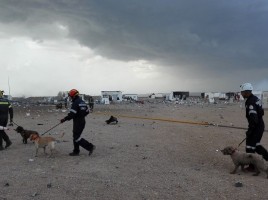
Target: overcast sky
{"x":136,"y":46}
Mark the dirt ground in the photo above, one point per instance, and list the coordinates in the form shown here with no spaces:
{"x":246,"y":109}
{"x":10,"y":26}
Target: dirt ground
{"x":135,"y":159}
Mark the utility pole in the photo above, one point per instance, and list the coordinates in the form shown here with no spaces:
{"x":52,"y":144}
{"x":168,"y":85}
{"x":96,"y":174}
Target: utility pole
{"x":8,"y":86}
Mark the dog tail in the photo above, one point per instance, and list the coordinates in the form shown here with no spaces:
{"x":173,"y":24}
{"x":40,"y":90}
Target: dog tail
{"x":52,"y":145}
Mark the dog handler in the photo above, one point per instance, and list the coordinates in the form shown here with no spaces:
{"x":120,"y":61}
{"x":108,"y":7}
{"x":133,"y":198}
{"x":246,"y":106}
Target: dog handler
{"x":78,"y":112}
{"x":254,"y":113}
{"x":5,"y":108}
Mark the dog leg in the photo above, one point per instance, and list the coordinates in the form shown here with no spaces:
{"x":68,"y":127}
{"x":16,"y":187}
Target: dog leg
{"x":36,"y":152}
{"x":52,"y":149}
{"x":257,"y":171}
{"x":51,"y":153}
{"x":235,"y":169}
{"x":25,"y":140}
{"x":45,"y":151}
{"x":242,"y":168}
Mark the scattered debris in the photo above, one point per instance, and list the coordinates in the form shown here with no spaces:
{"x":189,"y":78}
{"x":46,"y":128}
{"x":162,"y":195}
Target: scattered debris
{"x":59,"y":106}
{"x":34,"y":194}
{"x":238,"y":184}
{"x":111,"y":120}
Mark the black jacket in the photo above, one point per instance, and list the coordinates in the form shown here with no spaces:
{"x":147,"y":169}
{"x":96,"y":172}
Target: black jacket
{"x":254,"y":112}
{"x":5,"y":108}
{"x":78,"y":110}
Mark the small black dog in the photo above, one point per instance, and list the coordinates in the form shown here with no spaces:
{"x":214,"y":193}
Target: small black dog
{"x":111,"y":120}
{"x":25,"y":134}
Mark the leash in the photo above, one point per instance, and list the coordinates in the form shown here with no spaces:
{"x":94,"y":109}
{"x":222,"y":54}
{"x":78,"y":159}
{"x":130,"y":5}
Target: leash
{"x":15,"y":123}
{"x":242,"y":141}
{"x":51,"y":128}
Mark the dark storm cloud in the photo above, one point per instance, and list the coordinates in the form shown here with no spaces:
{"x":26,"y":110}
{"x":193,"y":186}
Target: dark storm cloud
{"x":213,"y":36}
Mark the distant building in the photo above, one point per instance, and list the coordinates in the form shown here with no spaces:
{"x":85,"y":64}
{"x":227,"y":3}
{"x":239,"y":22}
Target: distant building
{"x":156,"y":95}
{"x":130,"y":97}
{"x":110,"y":96}
{"x":265,"y":99}
{"x":177,"y":95}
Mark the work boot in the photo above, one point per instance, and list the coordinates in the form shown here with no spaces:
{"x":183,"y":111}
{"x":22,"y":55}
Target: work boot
{"x":1,"y":148}
{"x":8,"y":143}
{"x":73,"y":154}
{"x":262,"y":151}
{"x":91,"y":151}
{"x":87,"y":145}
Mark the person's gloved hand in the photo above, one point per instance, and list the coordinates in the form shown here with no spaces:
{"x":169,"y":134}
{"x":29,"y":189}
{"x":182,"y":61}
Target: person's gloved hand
{"x":62,"y":120}
{"x":248,"y":133}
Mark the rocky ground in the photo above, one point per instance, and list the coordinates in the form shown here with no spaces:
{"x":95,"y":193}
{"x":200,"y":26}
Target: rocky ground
{"x":139,"y":158}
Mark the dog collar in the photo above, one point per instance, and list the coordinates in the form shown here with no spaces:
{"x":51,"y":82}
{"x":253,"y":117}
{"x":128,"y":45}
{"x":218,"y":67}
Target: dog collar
{"x":233,"y":151}
{"x":33,"y":137}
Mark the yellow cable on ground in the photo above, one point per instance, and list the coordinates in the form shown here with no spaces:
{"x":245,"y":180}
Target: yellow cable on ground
{"x":159,"y":119}
{"x":177,"y":121}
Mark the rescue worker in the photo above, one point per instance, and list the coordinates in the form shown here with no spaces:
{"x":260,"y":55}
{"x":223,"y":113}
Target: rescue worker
{"x":5,"y":109}
{"x":78,"y":112}
{"x":91,"y":103}
{"x":254,"y":113}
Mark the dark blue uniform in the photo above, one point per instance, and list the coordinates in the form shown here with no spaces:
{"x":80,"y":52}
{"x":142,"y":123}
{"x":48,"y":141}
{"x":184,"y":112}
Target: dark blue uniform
{"x":254,"y":113}
{"x":78,"y":112}
{"x":5,"y":108}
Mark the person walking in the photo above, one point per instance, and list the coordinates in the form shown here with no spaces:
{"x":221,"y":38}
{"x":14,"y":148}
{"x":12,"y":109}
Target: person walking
{"x":91,"y":103}
{"x":79,"y":110}
{"x":254,"y":115}
{"x":5,"y":109}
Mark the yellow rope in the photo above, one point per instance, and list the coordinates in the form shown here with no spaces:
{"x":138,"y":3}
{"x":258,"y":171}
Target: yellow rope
{"x":159,"y":119}
{"x":177,"y":121}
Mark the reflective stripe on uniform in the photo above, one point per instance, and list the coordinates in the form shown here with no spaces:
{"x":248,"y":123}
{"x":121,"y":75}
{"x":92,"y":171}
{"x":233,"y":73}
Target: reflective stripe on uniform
{"x":259,"y":103}
{"x":252,"y":111}
{"x":250,"y":147}
{"x":74,"y":111}
{"x":4,"y":103}
{"x":258,"y":144}
{"x":78,"y":139}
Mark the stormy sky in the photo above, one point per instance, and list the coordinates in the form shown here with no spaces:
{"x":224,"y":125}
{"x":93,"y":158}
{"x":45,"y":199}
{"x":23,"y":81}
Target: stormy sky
{"x":136,"y":46}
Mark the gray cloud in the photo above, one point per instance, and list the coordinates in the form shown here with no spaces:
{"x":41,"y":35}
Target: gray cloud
{"x":226,"y":40}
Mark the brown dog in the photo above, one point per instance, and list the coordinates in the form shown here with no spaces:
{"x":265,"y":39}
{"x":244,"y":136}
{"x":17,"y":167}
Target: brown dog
{"x":43,"y":142}
{"x":242,"y":159}
{"x":25,"y":134}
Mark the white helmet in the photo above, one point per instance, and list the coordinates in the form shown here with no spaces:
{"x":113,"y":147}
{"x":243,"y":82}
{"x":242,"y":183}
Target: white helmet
{"x":246,"y":86}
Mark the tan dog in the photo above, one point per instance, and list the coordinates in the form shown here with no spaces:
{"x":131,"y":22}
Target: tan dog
{"x":242,"y":159}
{"x":43,"y":142}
